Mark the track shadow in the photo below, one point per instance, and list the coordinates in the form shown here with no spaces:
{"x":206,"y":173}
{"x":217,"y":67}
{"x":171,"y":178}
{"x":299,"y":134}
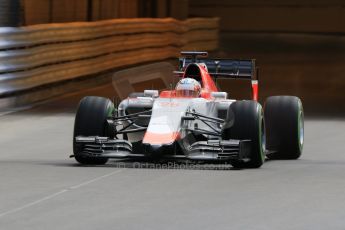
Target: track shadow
{"x":171,"y":165}
{"x":162,"y":165}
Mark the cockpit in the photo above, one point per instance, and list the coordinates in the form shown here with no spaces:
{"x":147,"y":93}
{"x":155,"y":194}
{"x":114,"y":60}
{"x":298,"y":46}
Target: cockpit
{"x":193,"y":71}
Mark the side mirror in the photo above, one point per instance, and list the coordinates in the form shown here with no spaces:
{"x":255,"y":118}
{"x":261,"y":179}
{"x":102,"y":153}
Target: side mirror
{"x":219,"y":95}
{"x":151,"y":93}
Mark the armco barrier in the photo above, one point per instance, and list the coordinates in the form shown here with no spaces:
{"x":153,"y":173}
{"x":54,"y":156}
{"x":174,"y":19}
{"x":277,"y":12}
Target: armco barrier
{"x":40,"y":55}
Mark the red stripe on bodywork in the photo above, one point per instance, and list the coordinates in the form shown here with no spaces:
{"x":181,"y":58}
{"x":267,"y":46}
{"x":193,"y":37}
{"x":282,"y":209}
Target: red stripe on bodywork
{"x":160,"y":138}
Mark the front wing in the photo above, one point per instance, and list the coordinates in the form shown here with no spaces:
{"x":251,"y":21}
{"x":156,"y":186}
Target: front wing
{"x":219,"y":150}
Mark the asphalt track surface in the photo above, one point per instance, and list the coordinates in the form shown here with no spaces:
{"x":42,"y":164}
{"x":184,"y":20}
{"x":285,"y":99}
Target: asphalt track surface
{"x":41,"y":188}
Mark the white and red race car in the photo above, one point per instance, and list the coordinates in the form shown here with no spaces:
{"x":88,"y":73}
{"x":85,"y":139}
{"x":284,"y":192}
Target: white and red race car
{"x":194,"y":121}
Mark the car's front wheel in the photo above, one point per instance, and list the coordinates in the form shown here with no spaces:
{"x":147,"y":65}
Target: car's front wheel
{"x":247,"y":123}
{"x":90,"y":120}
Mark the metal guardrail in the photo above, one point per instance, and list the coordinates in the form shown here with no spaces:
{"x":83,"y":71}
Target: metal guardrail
{"x":43,"y":54}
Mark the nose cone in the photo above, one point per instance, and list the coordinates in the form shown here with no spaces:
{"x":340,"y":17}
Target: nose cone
{"x":159,"y":144}
{"x":157,"y":139}
{"x":157,"y":151}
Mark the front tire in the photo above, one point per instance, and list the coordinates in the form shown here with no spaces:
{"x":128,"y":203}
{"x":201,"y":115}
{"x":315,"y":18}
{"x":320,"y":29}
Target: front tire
{"x":90,"y":120}
{"x":284,"y":120}
{"x":248,"y":124}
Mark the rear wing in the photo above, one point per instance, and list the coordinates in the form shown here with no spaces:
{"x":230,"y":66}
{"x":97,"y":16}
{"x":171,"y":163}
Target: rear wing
{"x":224,"y":68}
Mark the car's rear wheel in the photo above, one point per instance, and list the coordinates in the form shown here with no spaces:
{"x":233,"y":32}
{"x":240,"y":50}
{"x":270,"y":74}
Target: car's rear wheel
{"x":90,"y":120}
{"x":247,"y":123}
{"x":284,"y":120}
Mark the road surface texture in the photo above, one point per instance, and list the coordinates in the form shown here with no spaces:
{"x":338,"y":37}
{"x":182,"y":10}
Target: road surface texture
{"x":41,"y":188}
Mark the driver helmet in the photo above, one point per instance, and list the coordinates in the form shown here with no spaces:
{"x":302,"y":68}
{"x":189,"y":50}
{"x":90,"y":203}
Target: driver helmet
{"x":188,"y":87}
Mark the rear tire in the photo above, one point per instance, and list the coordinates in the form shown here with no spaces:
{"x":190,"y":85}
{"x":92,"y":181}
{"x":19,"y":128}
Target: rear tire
{"x":248,"y":124}
{"x":284,"y":120}
{"x":90,"y":120}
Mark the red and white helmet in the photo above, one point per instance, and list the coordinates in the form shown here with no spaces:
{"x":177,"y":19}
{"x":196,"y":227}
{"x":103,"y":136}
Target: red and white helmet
{"x":188,"y":87}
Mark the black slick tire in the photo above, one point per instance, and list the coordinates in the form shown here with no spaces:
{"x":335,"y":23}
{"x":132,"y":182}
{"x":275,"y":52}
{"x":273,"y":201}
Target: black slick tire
{"x":90,"y":120}
{"x":284,"y":120}
{"x":248,"y":124}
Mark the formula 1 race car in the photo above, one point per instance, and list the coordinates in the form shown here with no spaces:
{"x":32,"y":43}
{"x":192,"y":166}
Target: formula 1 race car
{"x":193,"y":121}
